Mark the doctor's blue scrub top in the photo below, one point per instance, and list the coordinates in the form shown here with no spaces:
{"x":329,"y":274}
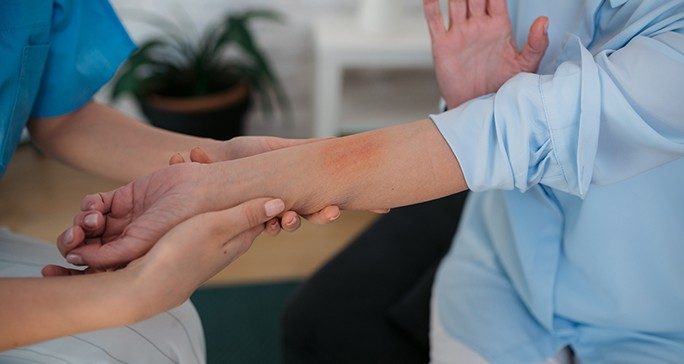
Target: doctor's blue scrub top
{"x":576,"y":236}
{"x":54,"y":56}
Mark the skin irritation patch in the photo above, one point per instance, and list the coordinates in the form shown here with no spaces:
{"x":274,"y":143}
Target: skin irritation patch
{"x":352,"y":156}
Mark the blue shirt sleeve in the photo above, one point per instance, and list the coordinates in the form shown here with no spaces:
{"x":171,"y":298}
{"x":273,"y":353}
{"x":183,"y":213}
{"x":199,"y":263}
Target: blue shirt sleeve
{"x":87,"y":45}
{"x":598,"y":119}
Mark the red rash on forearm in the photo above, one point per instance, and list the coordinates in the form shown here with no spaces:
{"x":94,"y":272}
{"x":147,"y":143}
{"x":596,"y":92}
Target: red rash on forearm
{"x":351,"y":156}
{"x":386,"y":168}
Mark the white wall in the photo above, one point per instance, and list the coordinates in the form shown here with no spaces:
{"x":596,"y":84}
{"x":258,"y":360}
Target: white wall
{"x":288,"y":45}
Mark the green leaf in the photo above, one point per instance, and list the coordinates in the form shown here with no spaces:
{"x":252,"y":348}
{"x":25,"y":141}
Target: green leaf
{"x":196,"y":67}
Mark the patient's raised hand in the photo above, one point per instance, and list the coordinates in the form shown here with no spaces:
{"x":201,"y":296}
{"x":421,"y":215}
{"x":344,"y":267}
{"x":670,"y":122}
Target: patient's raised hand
{"x":477,"y":53}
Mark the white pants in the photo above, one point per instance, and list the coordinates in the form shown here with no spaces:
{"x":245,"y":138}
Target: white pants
{"x":446,"y":350}
{"x":172,"y":337}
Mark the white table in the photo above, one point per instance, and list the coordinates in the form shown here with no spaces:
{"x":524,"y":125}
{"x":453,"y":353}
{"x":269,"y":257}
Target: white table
{"x":340,"y":45}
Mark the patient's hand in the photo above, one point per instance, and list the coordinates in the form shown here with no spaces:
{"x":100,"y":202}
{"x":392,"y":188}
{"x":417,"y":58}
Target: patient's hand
{"x":104,"y":216}
{"x":477,"y":53}
{"x":190,"y":253}
{"x":128,"y":221}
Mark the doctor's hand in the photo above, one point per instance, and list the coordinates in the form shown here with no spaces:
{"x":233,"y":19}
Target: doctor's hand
{"x":191,"y":253}
{"x":477,"y":52}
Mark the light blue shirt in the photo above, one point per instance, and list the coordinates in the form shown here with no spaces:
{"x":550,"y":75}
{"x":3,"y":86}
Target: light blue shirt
{"x":577,"y":235}
{"x":54,"y":55}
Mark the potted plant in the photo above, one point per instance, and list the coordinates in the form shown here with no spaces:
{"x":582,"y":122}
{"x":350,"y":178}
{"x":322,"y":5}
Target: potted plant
{"x":202,"y":87}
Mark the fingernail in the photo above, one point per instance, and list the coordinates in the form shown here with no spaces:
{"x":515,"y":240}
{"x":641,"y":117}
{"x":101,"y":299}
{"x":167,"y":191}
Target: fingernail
{"x":274,"y":207}
{"x":90,"y":220}
{"x":336,"y":216}
{"x":69,"y":236}
{"x":546,"y":28}
{"x":291,"y":221}
{"x":74,"y":259}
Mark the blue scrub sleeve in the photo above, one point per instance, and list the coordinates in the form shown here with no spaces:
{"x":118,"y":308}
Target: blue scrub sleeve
{"x":87,"y":45}
{"x":598,"y":119}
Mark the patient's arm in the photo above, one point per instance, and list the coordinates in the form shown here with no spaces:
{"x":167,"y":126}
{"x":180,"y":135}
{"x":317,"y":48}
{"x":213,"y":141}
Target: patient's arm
{"x":385,"y":168}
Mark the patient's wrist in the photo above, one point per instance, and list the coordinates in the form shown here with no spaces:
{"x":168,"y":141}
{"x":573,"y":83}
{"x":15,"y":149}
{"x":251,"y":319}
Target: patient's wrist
{"x":272,"y":174}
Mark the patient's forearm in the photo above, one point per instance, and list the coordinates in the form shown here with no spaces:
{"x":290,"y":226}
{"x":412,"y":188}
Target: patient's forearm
{"x":37,"y":309}
{"x":386,"y":168}
{"x":100,"y":139}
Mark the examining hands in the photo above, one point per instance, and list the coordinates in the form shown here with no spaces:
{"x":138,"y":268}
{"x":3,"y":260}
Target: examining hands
{"x":117,"y":227}
{"x":477,"y":53}
{"x":168,"y":274}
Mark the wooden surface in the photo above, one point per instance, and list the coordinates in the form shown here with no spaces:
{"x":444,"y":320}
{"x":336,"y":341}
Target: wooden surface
{"x":39,"y":196}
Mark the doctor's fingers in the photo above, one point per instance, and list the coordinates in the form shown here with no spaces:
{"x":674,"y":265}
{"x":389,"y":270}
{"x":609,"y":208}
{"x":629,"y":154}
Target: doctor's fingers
{"x":231,"y":222}
{"x":237,"y":246}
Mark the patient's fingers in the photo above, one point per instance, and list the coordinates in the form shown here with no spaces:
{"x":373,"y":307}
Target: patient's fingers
{"x":70,"y":239}
{"x":56,"y":271}
{"x":476,"y":7}
{"x":497,"y":7}
{"x":537,"y":42}
{"x":101,"y":202}
{"x":92,"y":222}
{"x":99,"y":254}
{"x":107,"y":229}
{"x":433,"y":15}
{"x":458,"y":12}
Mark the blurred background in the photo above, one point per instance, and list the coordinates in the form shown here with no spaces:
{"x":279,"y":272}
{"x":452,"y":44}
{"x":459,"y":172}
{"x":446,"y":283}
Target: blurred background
{"x":316,"y":68}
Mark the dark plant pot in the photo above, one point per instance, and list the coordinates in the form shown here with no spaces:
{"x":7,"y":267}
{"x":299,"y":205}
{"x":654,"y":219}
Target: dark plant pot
{"x":219,"y":116}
